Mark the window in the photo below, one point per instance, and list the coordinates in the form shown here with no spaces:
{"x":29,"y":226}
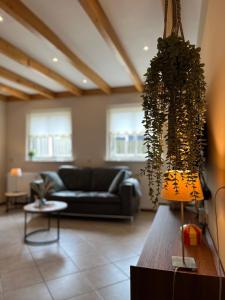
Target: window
{"x":125,"y":140}
{"x":49,"y":135}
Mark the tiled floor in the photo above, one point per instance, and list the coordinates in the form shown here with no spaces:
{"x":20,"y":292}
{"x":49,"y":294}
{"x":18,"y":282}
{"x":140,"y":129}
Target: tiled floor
{"x":91,"y":261}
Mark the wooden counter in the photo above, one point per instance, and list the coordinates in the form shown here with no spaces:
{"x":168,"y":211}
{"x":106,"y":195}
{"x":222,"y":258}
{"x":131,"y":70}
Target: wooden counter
{"x":152,"y":278}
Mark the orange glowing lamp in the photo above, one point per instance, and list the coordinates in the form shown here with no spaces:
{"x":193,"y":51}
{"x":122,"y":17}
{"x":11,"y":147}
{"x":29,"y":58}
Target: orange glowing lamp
{"x":184,"y":193}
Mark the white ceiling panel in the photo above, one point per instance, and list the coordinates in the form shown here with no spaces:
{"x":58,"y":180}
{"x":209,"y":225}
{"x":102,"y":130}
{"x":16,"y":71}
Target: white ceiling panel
{"x":138,"y":23}
{"x":38,"y":48}
{"x":30,"y":74}
{"x":68,"y":19}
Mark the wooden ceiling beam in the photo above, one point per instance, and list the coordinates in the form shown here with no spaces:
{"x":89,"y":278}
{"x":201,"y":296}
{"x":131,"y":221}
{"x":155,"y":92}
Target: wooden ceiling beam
{"x":91,"y":92}
{"x":3,"y":97}
{"x":14,"y":92}
{"x":102,"y":23}
{"x":9,"y":75}
{"x":26,"y":17}
{"x":22,"y":58}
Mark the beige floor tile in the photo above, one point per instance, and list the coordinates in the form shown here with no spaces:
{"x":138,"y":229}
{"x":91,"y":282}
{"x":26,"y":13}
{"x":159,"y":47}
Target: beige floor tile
{"x":118,"y":252}
{"x":91,"y":244}
{"x":56,"y":269}
{"x":15,"y":249}
{"x":73,"y":248}
{"x":89,"y":296}
{"x":105,"y":275}
{"x":38,"y":248}
{"x":1,"y":296}
{"x":20,"y":278}
{"x":68,"y":235}
{"x":35,"y":292}
{"x":124,"y":265}
{"x":119,"y":291}
{"x":88,"y":261}
{"x":49,"y":255}
{"x":1,"y":288}
{"x":69,"y":286}
{"x":16,"y":262}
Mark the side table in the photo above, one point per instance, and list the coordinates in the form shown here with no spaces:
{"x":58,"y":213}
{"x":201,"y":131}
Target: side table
{"x":14,"y":198}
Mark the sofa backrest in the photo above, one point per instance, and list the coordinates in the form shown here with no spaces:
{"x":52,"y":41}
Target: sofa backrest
{"x":89,"y":179}
{"x":102,"y":178}
{"x":76,"y":179}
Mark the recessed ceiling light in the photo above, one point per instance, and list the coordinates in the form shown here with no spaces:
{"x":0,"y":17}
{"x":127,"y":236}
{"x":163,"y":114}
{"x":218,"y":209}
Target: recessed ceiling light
{"x":146,"y":48}
{"x":55,"y":59}
{"x":84,"y":80}
{"x":1,"y":19}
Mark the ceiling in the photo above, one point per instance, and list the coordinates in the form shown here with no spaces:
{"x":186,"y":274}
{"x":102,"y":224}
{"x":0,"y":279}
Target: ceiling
{"x":136,"y":23}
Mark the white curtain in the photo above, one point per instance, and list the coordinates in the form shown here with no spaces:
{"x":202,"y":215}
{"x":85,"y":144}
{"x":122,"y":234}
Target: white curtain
{"x":50,"y":123}
{"x":50,"y":134}
{"x":126,"y":120}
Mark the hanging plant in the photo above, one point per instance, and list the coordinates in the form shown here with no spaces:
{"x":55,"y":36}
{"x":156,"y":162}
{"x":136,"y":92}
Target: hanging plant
{"x":174,"y":109}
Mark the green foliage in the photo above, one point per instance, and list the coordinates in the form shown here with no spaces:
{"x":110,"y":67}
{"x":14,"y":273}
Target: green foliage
{"x":174,"y":112}
{"x":31,"y":154}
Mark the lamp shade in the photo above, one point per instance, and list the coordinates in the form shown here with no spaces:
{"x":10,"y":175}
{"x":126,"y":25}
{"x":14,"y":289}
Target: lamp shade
{"x":16,"y":172}
{"x":185,"y":188}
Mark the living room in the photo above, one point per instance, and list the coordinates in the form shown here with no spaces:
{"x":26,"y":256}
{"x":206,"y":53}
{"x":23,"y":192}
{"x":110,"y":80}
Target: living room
{"x":72,"y":84}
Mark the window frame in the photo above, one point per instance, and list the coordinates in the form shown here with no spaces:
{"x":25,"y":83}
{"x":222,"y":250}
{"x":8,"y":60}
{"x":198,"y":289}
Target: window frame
{"x":53,"y":158}
{"x":120,"y":158}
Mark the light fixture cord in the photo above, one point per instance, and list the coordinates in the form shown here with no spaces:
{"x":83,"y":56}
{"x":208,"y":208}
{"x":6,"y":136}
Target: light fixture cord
{"x":174,"y":282}
{"x":218,"y":244}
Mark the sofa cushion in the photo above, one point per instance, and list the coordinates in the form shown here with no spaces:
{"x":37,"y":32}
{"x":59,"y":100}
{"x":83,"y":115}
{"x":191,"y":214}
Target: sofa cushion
{"x":54,"y":179}
{"x":116,"y":182}
{"x":76,"y":179}
{"x":85,"y":197}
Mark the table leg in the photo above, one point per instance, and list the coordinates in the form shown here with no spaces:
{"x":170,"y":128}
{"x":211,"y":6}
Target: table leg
{"x":58,"y":226}
{"x":49,"y":221}
{"x":27,"y":235}
{"x":7,"y":204}
{"x":25,"y":226}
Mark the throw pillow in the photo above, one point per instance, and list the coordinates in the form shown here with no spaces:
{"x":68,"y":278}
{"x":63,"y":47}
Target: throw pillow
{"x":115,"y":184}
{"x":53,"y":178}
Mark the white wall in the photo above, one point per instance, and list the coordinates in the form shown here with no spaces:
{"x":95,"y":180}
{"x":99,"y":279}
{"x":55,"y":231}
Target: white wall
{"x":213,"y":55}
{"x":2,"y":149}
{"x":89,"y":130}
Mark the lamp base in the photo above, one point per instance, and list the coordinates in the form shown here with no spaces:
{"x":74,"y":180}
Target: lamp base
{"x":190,"y":264}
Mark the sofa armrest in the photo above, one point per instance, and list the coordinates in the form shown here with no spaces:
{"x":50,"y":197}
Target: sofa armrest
{"x":130,"y":194}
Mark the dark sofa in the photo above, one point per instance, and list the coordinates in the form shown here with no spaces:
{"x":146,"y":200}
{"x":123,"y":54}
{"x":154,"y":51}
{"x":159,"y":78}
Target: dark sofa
{"x":106,"y":192}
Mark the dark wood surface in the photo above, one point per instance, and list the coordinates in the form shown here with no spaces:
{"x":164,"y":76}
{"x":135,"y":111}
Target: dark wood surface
{"x":153,"y":277}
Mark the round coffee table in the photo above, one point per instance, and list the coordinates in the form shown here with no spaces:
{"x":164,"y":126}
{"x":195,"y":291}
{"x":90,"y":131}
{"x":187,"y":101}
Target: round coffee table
{"x":51,"y":208}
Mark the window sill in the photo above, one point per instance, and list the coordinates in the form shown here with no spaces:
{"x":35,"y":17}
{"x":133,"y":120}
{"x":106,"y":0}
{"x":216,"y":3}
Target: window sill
{"x":50,"y":160}
{"x":126,"y":160}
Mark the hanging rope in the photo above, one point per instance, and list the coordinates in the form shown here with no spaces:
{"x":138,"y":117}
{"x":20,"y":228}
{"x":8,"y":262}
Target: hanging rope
{"x":176,"y":18}
{"x":179,"y":23}
{"x":165,"y":18}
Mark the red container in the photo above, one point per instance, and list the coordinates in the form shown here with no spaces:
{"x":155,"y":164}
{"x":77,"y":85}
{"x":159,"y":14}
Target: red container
{"x":192,"y":235}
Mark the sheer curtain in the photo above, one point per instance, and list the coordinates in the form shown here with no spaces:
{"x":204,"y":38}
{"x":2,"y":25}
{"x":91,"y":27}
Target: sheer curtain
{"x":125,"y":133}
{"x":50,"y":135}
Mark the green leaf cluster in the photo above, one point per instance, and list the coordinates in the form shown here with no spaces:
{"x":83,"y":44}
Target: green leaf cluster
{"x":174,"y":112}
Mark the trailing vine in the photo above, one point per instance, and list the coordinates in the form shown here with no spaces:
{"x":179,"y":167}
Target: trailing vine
{"x":174,"y":109}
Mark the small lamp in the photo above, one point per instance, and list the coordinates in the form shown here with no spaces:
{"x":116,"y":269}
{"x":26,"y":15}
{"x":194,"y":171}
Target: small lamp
{"x":184,"y":194}
{"x":16,"y":172}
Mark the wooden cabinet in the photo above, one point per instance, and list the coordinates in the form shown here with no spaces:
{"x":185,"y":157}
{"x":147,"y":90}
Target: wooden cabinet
{"x":154,"y":278}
